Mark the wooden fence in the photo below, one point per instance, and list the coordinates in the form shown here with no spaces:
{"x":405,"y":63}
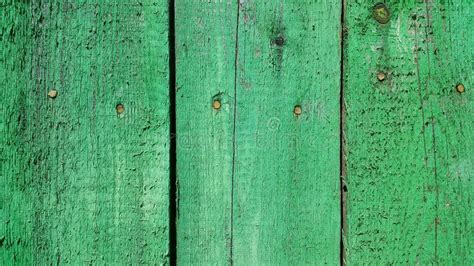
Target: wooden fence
{"x":246,"y":132}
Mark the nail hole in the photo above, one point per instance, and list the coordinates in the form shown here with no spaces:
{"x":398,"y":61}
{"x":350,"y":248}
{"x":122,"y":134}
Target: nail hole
{"x":52,"y":94}
{"x":344,"y":188}
{"x":460,"y":88}
{"x":216,"y":104}
{"x":297,"y":110}
{"x":120,"y":108}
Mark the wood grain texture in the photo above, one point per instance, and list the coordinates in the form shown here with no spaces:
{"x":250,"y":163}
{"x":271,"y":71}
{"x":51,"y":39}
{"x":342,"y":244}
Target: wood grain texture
{"x":257,"y":184}
{"x":205,"y":55}
{"x":410,"y":135}
{"x":82,"y":184}
{"x":286,"y":181}
{"x":258,"y":86}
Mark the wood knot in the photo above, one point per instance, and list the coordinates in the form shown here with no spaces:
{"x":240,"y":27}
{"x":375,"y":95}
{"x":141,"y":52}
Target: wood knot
{"x":381,"y":13}
{"x":279,"y":41}
{"x":381,"y":76}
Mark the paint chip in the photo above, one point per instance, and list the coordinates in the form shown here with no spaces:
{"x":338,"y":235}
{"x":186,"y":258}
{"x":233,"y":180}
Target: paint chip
{"x":460,"y":88}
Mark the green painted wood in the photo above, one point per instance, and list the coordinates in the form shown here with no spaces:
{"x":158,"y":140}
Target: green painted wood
{"x":409,"y":137}
{"x":85,"y":173}
{"x":257,"y":184}
{"x":286,"y":180}
{"x":205,"y":55}
{"x":82,"y":184}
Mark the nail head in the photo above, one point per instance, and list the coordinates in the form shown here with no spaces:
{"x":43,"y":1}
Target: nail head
{"x":216,"y":104}
{"x":120,"y":108}
{"x":52,"y":94}
{"x":460,"y":88}
{"x":297,"y":110}
{"x":381,"y":76}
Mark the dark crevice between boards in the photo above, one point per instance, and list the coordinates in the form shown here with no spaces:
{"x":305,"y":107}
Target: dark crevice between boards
{"x":342,"y":157}
{"x":231,"y":241}
{"x":231,"y":261}
{"x":173,"y":206}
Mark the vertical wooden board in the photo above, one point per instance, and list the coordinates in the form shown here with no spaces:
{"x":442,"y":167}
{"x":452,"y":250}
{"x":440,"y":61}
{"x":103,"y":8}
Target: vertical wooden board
{"x":449,"y":48}
{"x":83,"y":184}
{"x":13,"y":60}
{"x":409,"y":133}
{"x":286,"y":183}
{"x":205,"y":56}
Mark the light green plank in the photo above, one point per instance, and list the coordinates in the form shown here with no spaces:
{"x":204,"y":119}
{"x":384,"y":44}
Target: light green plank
{"x":266,"y":191}
{"x":205,"y":55}
{"x":409,"y":137}
{"x":81,"y":184}
{"x":286,"y":182}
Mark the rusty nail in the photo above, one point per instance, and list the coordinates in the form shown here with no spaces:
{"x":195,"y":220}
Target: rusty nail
{"x":297,"y":110}
{"x":120,"y":108}
{"x":52,"y":93}
{"x":460,"y":88}
{"x":381,"y":76}
{"x":381,"y":13}
{"x":216,"y":104}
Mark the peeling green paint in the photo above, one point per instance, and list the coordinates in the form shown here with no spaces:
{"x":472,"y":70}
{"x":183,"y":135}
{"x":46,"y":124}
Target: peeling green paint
{"x":81,"y":184}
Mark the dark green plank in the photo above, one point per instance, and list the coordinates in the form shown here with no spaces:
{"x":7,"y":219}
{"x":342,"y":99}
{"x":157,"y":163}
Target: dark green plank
{"x":409,"y":134}
{"x":286,"y":182}
{"x":82,"y":184}
{"x":205,"y":54}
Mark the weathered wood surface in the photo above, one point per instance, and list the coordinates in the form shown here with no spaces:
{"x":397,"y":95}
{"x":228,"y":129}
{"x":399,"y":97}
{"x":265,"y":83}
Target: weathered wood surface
{"x":82,"y":184}
{"x":409,"y":137}
{"x":257,"y":183}
{"x":286,"y":179}
{"x":86,"y":129}
{"x":205,"y":55}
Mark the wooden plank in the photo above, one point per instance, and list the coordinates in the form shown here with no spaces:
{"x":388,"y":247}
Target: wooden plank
{"x":83,"y":183}
{"x":409,"y":133}
{"x":258,"y":184}
{"x":450,"y":63}
{"x":205,"y":55}
{"x":286,"y":181}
